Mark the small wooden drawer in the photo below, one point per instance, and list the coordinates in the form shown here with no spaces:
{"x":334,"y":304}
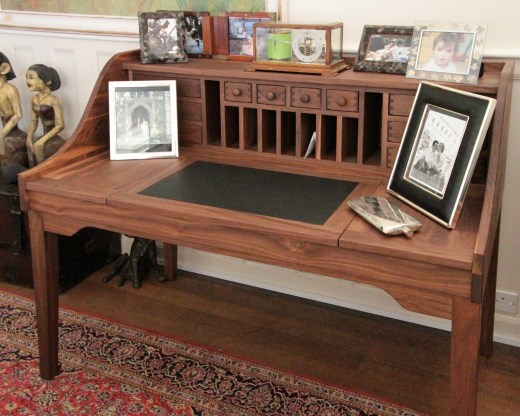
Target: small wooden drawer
{"x":306,"y":97}
{"x":238,"y":92}
{"x":190,"y":133}
{"x":188,"y":110}
{"x":271,"y":94}
{"x":189,"y":88}
{"x":400,"y":105}
{"x":396,"y":131}
{"x":186,"y":87}
{"x":339,"y":100}
{"x":391,"y":154}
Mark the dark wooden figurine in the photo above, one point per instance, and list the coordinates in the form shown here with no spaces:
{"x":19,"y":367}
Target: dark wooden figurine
{"x":135,"y":267}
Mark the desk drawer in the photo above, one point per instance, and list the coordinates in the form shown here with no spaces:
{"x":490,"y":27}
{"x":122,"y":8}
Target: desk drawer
{"x":395,"y":131}
{"x":391,"y":155}
{"x":189,"y":88}
{"x":238,"y":92}
{"x":186,"y":87}
{"x":271,"y":94}
{"x":188,"y":110}
{"x":306,"y":97}
{"x":339,"y":100}
{"x":400,"y":105}
{"x":190,"y":133}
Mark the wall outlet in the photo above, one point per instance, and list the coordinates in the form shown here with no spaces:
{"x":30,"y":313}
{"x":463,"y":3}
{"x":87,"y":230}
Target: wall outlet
{"x":506,"y":302}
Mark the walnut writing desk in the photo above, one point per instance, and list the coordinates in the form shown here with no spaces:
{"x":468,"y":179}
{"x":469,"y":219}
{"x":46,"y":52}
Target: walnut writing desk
{"x":237,"y":119}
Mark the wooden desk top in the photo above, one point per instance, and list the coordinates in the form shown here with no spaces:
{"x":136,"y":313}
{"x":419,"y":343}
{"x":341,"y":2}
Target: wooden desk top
{"x":102,"y":193}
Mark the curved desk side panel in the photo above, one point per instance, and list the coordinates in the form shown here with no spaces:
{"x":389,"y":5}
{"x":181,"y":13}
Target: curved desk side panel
{"x":91,"y":136}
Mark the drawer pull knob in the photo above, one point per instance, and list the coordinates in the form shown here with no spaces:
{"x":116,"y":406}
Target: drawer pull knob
{"x":236,"y":92}
{"x":305,"y":98}
{"x":270,"y":96}
{"x":341,"y":101}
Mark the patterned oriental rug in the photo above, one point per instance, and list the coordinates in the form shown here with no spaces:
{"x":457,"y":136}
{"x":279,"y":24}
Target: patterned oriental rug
{"x":112,"y":369}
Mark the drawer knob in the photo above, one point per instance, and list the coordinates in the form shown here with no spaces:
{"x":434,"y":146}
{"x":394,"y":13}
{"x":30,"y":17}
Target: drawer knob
{"x":270,"y":96}
{"x":236,"y":92}
{"x":341,"y":101}
{"x":305,"y":98}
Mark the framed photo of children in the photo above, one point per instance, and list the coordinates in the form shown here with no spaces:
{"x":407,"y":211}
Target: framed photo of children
{"x":448,"y":52}
{"x":439,"y":150}
{"x":384,"y":49}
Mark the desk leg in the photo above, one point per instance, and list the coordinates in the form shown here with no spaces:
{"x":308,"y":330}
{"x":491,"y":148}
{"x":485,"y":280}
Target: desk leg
{"x":170,"y":261}
{"x":465,"y":343}
{"x":488,"y":301}
{"x":45,"y":261}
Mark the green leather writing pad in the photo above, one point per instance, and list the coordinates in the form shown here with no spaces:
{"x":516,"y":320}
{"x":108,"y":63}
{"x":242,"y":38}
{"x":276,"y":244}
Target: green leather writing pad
{"x":275,"y":194}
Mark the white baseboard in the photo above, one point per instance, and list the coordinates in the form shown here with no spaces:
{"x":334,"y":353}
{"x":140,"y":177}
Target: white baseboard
{"x":325,"y":289}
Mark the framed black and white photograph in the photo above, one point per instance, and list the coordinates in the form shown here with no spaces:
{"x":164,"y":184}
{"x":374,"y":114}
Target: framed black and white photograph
{"x":449,"y":52}
{"x":143,"y":119}
{"x":439,"y":150}
{"x":384,"y":49}
{"x":196,"y":38}
{"x":240,"y":33}
{"x":162,"y":37}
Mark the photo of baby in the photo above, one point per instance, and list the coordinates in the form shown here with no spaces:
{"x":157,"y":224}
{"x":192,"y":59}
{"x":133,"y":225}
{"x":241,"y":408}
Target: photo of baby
{"x":448,"y":52}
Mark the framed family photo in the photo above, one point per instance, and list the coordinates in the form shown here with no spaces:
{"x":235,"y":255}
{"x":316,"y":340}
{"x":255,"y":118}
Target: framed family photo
{"x":450,"y":52}
{"x":143,"y":119}
{"x":384,"y":49}
{"x":162,"y":37}
{"x":439,"y":150}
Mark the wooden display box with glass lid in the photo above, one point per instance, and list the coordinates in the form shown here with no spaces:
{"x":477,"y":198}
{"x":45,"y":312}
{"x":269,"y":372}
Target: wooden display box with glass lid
{"x":306,"y":48}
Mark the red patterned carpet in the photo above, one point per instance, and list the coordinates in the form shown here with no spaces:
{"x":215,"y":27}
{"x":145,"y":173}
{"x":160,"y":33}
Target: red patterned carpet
{"x":111,"y":369}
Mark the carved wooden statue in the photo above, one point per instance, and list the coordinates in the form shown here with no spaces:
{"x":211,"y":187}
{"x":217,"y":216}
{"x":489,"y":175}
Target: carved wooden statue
{"x":45,"y":107}
{"x":13,"y":149}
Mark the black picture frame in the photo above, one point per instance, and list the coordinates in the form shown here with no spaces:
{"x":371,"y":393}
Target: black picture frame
{"x":162,"y":37}
{"x":432,"y":178}
{"x":384,"y":49}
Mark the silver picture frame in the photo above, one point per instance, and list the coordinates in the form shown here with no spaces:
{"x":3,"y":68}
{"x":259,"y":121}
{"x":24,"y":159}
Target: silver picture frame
{"x":162,"y":37}
{"x":143,"y":119}
{"x":447,"y":52}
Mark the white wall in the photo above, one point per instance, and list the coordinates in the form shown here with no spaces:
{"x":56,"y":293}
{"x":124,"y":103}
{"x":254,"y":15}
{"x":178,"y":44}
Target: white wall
{"x":80,"y":53}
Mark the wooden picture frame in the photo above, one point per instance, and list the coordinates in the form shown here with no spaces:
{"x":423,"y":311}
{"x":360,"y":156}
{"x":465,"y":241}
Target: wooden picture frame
{"x":448,"y":52}
{"x":241,"y":34}
{"x":384,"y":49}
{"x":143,"y":119}
{"x":439,"y":150}
{"x":162,"y":37}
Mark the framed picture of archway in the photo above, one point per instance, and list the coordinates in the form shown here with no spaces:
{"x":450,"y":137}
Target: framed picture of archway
{"x":143,"y":119}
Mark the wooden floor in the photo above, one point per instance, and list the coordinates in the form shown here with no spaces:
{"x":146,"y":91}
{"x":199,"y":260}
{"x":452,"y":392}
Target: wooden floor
{"x":394,"y":360}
